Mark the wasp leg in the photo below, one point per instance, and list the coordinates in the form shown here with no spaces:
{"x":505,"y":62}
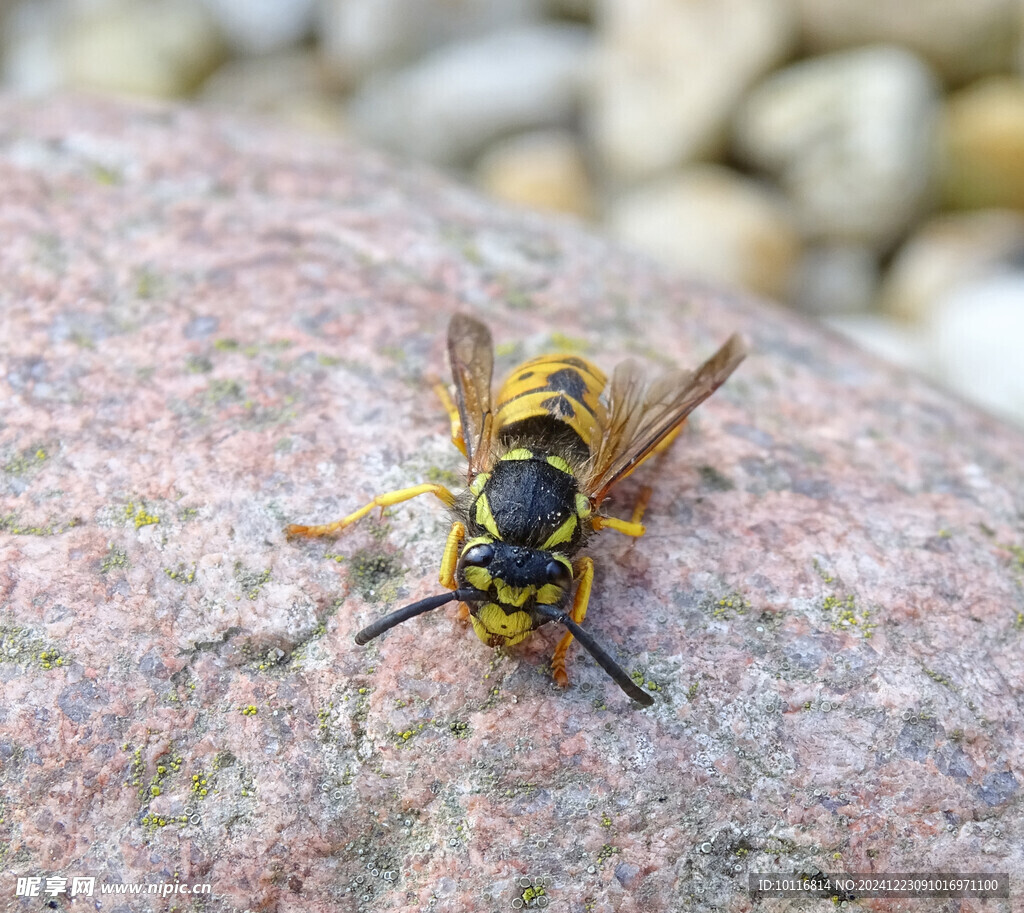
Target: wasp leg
{"x":453,"y":416}
{"x":382,"y":501}
{"x":450,"y":560}
{"x":626,"y":527}
{"x":456,"y":536}
{"x":584,"y":574}
{"x":641,"y":505}
{"x":632,"y":526}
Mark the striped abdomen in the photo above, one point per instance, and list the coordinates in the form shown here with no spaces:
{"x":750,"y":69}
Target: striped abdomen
{"x":554,"y":396}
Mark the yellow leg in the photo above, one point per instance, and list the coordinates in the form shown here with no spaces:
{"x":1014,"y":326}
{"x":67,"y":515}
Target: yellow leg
{"x":584,"y":575}
{"x":382,"y":501}
{"x":453,"y":416}
{"x":632,"y":526}
{"x":626,"y":527}
{"x":641,"y":505}
{"x":450,"y":560}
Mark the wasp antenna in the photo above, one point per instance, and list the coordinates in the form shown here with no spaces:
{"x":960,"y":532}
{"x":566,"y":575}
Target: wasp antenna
{"x":599,"y":653}
{"x":410,"y":611}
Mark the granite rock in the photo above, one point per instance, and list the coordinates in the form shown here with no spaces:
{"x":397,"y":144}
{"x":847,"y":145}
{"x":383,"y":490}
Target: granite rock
{"x":209,"y":329}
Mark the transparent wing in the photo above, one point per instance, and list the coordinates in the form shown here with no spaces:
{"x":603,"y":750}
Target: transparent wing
{"x":641,"y":413}
{"x":471,"y":353}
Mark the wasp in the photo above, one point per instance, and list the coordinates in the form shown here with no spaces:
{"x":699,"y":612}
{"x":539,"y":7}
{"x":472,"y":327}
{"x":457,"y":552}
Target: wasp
{"x":542,"y":457}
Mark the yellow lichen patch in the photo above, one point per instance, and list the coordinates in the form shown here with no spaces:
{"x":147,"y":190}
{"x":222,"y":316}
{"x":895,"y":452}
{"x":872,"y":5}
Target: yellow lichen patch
{"x":139,"y":515}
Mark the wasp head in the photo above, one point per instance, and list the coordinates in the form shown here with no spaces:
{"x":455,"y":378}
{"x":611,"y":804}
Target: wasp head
{"x":509,"y":582}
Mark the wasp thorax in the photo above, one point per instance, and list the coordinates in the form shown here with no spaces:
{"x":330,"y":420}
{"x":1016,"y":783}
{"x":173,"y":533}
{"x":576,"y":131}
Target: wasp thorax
{"x":529,"y":499}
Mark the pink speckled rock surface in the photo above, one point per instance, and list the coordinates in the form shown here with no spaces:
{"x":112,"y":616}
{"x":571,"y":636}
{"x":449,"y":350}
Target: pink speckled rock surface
{"x":210,"y":330}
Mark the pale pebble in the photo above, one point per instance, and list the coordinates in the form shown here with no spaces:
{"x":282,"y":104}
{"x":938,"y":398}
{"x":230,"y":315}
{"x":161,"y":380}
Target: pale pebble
{"x":360,"y":37}
{"x":448,"y":106}
{"x":714,"y":223}
{"x":975,"y":336}
{"x":288,"y":86}
{"x":960,"y":38}
{"x":849,"y":136}
{"x":163,"y":48}
{"x":541,"y":170}
{"x":30,"y":48}
{"x":948,"y":250}
{"x":668,"y":76}
{"x":892,"y":341}
{"x":261,"y":26}
{"x":836,"y":279}
{"x":983,"y":145}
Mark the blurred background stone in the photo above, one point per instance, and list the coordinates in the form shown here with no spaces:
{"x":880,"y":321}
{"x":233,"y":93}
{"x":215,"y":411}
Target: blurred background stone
{"x":714,"y":223}
{"x":446,"y":108}
{"x":836,"y":278}
{"x":361,"y":37}
{"x":947,"y":251}
{"x":962,"y":39}
{"x":983,"y":145}
{"x":540,"y":170}
{"x":668,"y":75}
{"x":262,"y":26}
{"x":850,"y":137}
{"x":290,"y":86}
{"x":163,"y":48}
{"x":977,"y":331}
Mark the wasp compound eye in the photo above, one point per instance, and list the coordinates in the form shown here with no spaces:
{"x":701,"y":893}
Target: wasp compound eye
{"x":558,"y":574}
{"x":479,"y":555}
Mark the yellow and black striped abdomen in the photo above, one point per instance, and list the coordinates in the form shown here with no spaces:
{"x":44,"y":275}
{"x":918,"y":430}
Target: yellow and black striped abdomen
{"x":554,"y":396}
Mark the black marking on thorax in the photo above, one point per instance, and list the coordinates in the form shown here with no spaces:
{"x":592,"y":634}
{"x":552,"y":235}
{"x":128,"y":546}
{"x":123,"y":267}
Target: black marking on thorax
{"x":530,"y":499}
